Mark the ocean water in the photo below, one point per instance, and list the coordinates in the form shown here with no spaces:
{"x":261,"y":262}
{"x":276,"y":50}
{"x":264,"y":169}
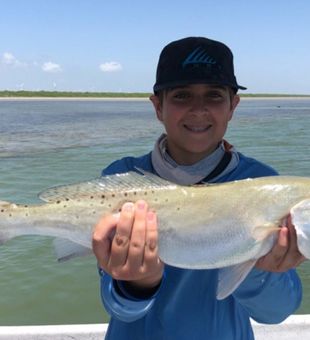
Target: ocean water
{"x":45,"y":143}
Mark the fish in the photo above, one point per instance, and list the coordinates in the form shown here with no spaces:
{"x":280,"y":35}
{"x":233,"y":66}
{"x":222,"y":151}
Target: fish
{"x":227,"y":226}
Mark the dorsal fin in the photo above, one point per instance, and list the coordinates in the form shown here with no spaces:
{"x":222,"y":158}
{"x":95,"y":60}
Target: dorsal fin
{"x":5,"y":203}
{"x":129,"y":181}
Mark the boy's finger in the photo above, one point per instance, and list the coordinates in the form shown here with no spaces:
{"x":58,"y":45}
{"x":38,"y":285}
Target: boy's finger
{"x":120,"y":244}
{"x":137,"y":241}
{"x":280,"y":249}
{"x":102,"y":239}
{"x":151,"y":242}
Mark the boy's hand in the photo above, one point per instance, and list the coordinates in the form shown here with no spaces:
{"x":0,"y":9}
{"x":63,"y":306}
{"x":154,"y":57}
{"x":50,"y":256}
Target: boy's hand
{"x":285,"y":254}
{"x":126,"y":245}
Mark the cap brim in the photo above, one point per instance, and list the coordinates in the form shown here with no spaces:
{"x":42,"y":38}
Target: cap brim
{"x":159,"y":87}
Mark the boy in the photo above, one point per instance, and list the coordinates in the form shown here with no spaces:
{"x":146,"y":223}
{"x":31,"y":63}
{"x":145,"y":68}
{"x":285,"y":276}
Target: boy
{"x":195,"y":96}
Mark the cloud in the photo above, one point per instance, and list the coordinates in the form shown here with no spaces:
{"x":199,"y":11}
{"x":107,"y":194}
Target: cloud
{"x":10,"y":60}
{"x":51,"y":67}
{"x":111,"y":66}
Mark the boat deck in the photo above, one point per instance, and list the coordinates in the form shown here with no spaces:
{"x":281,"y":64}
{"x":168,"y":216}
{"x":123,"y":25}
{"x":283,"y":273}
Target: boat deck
{"x":295,"y":327}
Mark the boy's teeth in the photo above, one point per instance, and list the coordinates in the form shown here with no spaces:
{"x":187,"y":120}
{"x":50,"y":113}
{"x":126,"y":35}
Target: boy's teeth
{"x":196,"y":128}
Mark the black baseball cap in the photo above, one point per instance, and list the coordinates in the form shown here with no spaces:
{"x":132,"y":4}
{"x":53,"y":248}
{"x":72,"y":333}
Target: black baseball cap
{"x":195,"y":60}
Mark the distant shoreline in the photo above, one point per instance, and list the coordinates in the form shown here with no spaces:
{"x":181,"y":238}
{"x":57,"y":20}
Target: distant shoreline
{"x":74,"y":98}
{"x":110,"y":96}
{"x":3,"y":99}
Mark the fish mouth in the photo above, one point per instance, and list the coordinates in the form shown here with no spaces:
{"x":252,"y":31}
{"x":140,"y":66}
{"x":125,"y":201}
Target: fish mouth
{"x":197,"y":128}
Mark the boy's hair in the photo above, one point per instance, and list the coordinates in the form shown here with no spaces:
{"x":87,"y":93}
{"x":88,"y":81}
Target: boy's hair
{"x":195,"y":60}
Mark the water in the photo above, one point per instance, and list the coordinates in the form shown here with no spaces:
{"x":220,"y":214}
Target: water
{"x":46,"y":143}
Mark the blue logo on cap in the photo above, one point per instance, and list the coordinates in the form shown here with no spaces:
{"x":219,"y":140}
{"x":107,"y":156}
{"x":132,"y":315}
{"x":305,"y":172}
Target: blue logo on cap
{"x":199,"y":56}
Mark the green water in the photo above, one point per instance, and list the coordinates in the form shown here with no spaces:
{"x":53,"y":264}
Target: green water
{"x":44,"y":143}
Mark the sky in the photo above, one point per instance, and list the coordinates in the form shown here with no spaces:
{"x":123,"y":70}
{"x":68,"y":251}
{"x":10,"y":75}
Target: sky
{"x":113,"y":46}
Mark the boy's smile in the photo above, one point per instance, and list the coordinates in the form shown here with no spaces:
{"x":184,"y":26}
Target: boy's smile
{"x":195,"y":118}
{"x":197,"y":129}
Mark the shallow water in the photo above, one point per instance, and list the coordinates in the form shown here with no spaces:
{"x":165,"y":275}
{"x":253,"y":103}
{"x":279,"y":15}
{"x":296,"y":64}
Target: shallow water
{"x":46,"y":143}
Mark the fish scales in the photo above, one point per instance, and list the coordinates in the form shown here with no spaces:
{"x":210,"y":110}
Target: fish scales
{"x":224,"y":220}
{"x":200,"y":227}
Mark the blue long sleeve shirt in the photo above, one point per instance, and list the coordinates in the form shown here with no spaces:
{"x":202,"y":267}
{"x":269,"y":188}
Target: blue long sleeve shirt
{"x":185,"y":304}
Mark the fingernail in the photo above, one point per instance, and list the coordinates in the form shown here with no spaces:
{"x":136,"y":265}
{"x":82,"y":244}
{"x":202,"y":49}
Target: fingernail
{"x":128,"y":206}
{"x":141,"y":205}
{"x":116,"y":215}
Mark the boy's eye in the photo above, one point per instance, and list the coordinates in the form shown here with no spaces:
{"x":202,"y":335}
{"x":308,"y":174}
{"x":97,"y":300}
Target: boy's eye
{"x":182,"y":95}
{"x":215,"y":95}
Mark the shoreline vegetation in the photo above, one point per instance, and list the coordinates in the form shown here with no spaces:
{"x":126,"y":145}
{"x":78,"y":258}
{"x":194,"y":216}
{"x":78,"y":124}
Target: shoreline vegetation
{"x":116,"y":95}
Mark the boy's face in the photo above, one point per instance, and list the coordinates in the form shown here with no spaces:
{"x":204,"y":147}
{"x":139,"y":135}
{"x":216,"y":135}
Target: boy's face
{"x":195,"y":118}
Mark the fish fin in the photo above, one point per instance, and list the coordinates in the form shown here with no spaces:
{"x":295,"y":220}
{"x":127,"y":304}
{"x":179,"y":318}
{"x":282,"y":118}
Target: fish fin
{"x":231,"y":277}
{"x":4,"y":203}
{"x":66,"y":250}
{"x":119,"y":183}
{"x":300,"y":214}
{"x":261,"y":232}
{"x":154,"y":179}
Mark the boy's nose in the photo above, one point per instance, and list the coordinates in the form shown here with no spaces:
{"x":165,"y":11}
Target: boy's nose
{"x":200,"y":105}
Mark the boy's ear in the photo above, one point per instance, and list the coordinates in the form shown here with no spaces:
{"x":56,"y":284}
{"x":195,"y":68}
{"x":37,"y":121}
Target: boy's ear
{"x":157,"y":106}
{"x":234,"y":103}
{"x":236,"y":100}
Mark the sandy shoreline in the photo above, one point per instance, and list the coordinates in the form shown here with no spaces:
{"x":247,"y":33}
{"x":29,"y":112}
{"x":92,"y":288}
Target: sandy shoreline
{"x":130,"y":98}
{"x":73,"y":98}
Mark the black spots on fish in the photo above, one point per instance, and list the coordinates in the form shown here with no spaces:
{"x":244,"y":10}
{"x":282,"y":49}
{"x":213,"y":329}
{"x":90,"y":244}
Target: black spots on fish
{"x":91,"y":197}
{"x":103,"y":197}
{"x":26,"y":213}
{"x":64,"y":205}
{"x":4,"y":211}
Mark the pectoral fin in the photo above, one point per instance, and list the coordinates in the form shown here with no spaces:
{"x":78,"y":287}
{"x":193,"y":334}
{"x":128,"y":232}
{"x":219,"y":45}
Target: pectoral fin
{"x":301,"y":220}
{"x":231,"y":277}
{"x":261,"y":232}
{"x":66,"y":250}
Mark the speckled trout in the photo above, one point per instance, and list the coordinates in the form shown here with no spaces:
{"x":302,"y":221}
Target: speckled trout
{"x":226,"y":226}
